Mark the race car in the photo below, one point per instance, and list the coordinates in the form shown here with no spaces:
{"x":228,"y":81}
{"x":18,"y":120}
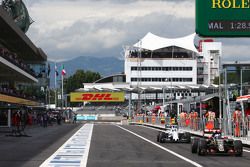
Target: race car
{"x":216,"y":144}
{"x":173,"y":134}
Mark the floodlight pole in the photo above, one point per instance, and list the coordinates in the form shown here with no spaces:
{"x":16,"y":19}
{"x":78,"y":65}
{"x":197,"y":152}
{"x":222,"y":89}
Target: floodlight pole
{"x":241,"y":81}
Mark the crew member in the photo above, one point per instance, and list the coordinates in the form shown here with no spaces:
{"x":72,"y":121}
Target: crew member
{"x":210,"y":116}
{"x":237,"y":116}
{"x":195,"y":120}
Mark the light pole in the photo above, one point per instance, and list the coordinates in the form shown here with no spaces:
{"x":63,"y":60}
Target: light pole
{"x":171,"y":86}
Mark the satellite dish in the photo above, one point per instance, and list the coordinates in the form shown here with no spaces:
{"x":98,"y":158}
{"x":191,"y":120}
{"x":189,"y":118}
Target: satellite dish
{"x":18,"y":11}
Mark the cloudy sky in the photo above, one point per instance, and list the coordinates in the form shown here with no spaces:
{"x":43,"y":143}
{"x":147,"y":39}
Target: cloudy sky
{"x":65,"y":29}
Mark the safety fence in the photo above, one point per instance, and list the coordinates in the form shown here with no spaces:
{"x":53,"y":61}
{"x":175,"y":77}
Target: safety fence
{"x":229,"y":127}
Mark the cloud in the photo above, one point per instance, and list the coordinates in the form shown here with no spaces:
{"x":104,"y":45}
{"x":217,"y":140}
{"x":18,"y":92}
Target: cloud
{"x":70,"y":28}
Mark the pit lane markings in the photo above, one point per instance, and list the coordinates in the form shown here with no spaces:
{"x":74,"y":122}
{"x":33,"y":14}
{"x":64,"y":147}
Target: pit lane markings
{"x":163,"y":148}
{"x":74,"y":152}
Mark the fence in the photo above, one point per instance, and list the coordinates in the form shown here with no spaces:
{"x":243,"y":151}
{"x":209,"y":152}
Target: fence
{"x":229,"y":127}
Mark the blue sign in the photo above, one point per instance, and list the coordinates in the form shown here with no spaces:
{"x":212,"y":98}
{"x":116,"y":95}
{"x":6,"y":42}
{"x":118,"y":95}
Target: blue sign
{"x":86,"y":117}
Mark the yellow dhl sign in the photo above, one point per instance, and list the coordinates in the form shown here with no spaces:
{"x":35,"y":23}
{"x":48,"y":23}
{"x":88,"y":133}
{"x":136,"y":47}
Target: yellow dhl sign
{"x":97,"y":97}
{"x":17,"y":100}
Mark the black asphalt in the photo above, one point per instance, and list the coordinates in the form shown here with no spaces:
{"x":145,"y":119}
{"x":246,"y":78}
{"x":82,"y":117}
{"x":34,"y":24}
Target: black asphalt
{"x":185,"y":150}
{"x":32,"y":151}
{"x":110,"y":146}
{"x":114,"y":147}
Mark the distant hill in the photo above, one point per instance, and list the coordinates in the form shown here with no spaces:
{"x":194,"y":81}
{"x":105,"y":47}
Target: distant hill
{"x":104,"y":65}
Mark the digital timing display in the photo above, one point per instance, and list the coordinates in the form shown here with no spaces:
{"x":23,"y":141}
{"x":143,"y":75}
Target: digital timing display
{"x":230,"y":26}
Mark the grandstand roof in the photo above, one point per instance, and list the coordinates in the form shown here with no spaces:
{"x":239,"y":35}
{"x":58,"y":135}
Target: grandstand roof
{"x":154,"y":42}
{"x":14,"y":39}
{"x":88,"y":87}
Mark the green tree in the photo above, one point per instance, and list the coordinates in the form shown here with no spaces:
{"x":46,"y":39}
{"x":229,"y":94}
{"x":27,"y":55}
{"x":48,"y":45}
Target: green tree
{"x":76,"y":81}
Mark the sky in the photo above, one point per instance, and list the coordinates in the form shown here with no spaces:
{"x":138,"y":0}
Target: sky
{"x":66,"y":29}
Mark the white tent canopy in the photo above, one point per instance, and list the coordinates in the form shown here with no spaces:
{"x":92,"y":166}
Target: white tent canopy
{"x":153,"y":42}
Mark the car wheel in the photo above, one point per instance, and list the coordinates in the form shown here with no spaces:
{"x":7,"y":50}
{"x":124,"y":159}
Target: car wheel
{"x":187,"y":137}
{"x":194,"y":145}
{"x":202,"y":147}
{"x":238,"y":148}
{"x":162,"y":135}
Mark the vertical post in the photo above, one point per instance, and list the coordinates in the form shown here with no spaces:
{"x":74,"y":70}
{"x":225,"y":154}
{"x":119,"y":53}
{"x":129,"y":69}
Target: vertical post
{"x":62,"y":92}
{"x":227,"y":105}
{"x":241,"y":82}
{"x":129,"y":105}
{"x":55,"y":86}
{"x":163,"y":99}
{"x":49,"y":97}
{"x":171,"y":81}
{"x":9,"y":118}
{"x":220,"y":113}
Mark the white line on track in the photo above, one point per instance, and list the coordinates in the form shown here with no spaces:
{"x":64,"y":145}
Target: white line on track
{"x":163,"y":148}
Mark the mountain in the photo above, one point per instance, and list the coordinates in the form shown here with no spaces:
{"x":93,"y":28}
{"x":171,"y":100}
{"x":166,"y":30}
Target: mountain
{"x":104,"y":65}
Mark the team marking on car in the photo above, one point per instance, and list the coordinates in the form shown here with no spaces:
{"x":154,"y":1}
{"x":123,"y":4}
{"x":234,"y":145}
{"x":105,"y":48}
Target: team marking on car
{"x":74,"y":152}
{"x":246,"y":150}
{"x":163,"y":148}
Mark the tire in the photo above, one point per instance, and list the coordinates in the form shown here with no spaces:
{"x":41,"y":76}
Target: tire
{"x":187,"y":137}
{"x":238,"y":148}
{"x":162,"y":135}
{"x":202,"y":147}
{"x":158,"y":137}
{"x":194,"y":145}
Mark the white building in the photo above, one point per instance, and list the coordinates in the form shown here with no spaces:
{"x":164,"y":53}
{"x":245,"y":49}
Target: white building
{"x":158,"y":69}
{"x":209,"y":62}
{"x":158,"y":61}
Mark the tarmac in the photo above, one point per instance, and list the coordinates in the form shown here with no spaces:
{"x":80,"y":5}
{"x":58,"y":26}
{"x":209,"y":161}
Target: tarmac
{"x":32,"y":148}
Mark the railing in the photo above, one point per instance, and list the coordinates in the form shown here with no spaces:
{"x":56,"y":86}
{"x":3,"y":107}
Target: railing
{"x":229,"y":127}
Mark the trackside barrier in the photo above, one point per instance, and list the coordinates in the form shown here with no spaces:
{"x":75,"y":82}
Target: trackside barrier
{"x":230,"y":128}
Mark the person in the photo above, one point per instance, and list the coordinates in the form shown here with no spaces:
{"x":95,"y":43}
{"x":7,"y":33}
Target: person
{"x":182,"y":118}
{"x":45,"y":120}
{"x":58,"y":117}
{"x":237,"y":116}
{"x":210,"y":116}
{"x":195,"y":120}
{"x":16,"y":120}
{"x":74,"y":119}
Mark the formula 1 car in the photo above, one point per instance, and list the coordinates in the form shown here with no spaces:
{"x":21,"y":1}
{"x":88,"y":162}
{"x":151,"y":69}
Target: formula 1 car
{"x":216,"y":144}
{"x":173,"y":134}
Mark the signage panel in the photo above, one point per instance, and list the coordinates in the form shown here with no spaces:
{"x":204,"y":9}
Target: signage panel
{"x":223,"y":18}
{"x":86,"y":117}
{"x":17,"y":100}
{"x":97,"y":96}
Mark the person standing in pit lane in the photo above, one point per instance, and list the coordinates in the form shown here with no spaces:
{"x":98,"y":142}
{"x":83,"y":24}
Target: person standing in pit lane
{"x":237,"y":118}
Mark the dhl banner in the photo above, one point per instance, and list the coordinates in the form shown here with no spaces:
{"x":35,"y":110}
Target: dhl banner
{"x":97,"y":96}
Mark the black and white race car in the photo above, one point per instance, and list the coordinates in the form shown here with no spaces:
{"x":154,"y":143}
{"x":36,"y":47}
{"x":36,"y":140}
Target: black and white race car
{"x":216,"y":144}
{"x":173,"y":134}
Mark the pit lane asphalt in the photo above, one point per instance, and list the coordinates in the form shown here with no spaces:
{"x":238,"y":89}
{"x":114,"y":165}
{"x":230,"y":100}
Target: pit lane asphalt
{"x":32,"y":151}
{"x":112,"y":146}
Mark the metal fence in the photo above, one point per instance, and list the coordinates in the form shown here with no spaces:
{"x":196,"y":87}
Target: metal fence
{"x":229,"y":127}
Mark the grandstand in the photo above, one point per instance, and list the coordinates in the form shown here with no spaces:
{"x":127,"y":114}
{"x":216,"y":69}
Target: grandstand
{"x":18,"y":56}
